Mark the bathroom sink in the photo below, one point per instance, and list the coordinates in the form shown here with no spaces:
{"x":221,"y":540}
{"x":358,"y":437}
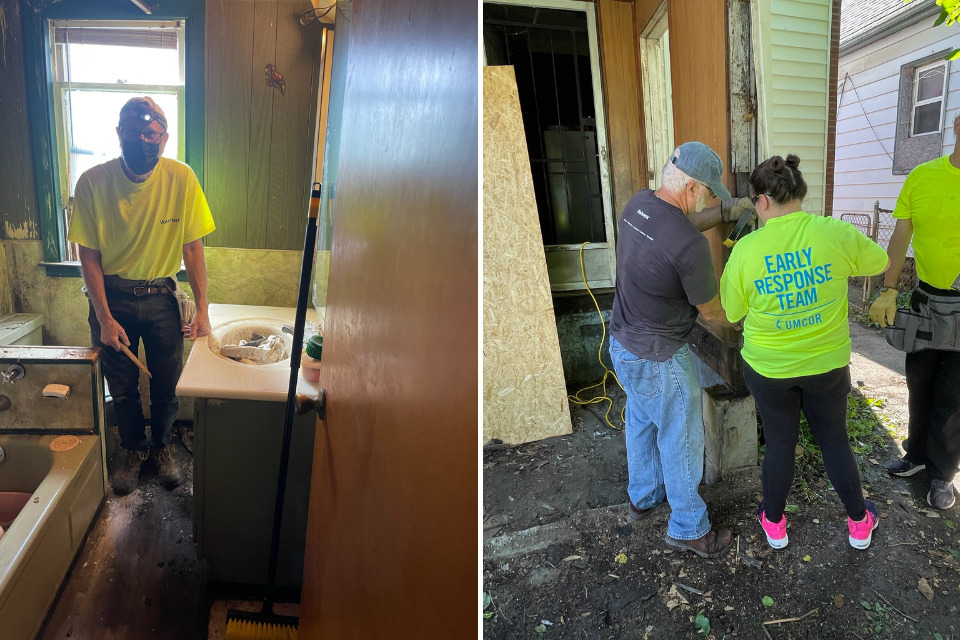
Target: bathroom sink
{"x":207,"y":374}
{"x":237,"y":331}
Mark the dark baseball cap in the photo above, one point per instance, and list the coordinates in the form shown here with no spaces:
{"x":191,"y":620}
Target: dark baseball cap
{"x":702,"y":163}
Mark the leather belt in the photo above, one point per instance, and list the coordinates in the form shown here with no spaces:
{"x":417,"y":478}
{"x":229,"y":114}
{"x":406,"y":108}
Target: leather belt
{"x":138,"y":287}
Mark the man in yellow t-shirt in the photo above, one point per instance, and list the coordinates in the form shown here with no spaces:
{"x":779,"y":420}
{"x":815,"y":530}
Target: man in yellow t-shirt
{"x":928,"y":211}
{"x":135,"y":219}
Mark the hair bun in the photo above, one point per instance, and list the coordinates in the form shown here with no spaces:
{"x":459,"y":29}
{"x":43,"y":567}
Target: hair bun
{"x":793,"y":161}
{"x":776,"y":164}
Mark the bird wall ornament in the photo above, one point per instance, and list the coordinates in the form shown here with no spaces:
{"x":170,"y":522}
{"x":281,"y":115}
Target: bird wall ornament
{"x":274,"y":78}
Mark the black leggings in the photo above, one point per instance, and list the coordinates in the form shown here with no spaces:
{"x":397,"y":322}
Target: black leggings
{"x":823,"y":398}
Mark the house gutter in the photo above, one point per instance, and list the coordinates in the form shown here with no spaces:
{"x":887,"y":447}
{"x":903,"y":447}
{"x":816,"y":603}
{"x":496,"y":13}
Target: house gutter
{"x":892,"y":25}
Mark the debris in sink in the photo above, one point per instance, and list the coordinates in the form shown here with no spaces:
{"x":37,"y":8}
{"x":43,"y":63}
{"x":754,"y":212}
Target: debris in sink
{"x":255,"y":341}
{"x":257,"y":350}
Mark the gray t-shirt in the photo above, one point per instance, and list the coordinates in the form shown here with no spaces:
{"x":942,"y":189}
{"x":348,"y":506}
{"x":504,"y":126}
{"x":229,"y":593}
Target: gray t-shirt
{"x":664,"y":269}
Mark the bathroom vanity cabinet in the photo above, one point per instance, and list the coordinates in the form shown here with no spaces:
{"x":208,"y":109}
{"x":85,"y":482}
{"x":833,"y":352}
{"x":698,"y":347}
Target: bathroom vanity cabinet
{"x":237,"y":446}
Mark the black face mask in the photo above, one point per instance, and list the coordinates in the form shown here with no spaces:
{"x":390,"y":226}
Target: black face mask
{"x":141,"y":157}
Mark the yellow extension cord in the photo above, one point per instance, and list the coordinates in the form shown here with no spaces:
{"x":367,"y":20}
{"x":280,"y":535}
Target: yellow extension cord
{"x":575,"y":398}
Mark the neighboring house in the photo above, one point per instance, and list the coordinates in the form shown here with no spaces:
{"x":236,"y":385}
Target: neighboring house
{"x":897,"y":99}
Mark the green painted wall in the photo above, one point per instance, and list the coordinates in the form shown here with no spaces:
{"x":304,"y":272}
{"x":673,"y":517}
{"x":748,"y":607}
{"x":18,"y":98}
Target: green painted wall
{"x":235,"y":276}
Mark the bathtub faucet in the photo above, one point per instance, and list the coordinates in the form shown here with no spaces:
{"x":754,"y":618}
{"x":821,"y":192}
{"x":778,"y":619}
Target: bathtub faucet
{"x":13,"y":373}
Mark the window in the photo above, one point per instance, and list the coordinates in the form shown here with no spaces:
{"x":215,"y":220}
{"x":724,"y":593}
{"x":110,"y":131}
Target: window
{"x":116,"y":28}
{"x":919,"y":126}
{"x":97,"y":67}
{"x":928,"y":98}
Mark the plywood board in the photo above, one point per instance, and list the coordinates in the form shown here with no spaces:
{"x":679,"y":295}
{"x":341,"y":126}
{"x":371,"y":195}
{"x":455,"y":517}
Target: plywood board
{"x":524,"y":396}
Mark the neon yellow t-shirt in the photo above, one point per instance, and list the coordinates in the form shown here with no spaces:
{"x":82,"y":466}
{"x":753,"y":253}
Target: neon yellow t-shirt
{"x":139,"y":229}
{"x":930,"y":198}
{"x":789,"y":279}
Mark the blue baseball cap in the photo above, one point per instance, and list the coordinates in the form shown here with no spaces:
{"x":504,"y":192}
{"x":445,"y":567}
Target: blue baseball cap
{"x":702,"y":163}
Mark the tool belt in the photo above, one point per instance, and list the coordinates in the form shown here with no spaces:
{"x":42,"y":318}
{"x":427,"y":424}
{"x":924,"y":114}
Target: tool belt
{"x":114,"y":283}
{"x":931,"y":322}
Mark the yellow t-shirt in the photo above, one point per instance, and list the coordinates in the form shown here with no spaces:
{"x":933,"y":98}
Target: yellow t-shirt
{"x":930,"y":198}
{"x":139,"y":229}
{"x":789,"y":279}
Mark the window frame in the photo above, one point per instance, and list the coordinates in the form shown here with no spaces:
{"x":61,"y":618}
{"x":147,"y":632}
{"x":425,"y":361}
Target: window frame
{"x":909,"y":151}
{"x":914,"y":103}
{"x":61,"y":84}
{"x":36,"y":23}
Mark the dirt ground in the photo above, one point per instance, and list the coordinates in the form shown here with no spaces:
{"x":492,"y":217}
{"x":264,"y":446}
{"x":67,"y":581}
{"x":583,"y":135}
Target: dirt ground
{"x":563,"y":559}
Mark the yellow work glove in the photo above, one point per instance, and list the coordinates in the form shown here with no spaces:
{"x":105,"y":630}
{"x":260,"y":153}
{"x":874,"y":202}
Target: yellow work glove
{"x":732,"y":208}
{"x":884,"y":308}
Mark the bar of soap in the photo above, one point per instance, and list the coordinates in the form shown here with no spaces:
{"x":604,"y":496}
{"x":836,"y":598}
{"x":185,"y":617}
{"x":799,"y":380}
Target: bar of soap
{"x":56,"y":391}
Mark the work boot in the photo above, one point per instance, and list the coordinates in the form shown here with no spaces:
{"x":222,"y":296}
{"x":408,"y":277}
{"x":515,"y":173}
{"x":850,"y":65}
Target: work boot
{"x":710,"y":545}
{"x":168,"y":469}
{"x":127,"y":477}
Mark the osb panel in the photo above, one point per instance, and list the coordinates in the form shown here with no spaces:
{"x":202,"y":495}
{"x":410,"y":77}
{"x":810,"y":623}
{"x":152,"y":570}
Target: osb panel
{"x":524,"y":397}
{"x":698,"y":67}
{"x":621,"y":86}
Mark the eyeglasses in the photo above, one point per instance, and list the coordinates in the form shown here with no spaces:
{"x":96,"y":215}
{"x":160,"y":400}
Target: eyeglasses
{"x":707,"y":187}
{"x":753,"y":199}
{"x":148,"y":135}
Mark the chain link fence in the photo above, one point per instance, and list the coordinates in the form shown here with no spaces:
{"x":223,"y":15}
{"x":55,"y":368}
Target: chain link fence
{"x":878,"y":226}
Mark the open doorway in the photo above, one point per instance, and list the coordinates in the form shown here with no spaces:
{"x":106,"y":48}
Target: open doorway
{"x":552,"y":45}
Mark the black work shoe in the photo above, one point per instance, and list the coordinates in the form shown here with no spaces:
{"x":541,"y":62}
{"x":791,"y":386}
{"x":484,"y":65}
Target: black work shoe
{"x":710,"y":545}
{"x":168,"y":469}
{"x":903,"y":468}
{"x":127,"y":477}
{"x":941,"y":495}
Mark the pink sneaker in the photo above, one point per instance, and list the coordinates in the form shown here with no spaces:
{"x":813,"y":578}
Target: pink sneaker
{"x":776,"y":531}
{"x":861,"y":533}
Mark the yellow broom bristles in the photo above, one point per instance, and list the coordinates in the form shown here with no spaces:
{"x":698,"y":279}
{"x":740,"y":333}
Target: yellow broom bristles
{"x":246,"y":630}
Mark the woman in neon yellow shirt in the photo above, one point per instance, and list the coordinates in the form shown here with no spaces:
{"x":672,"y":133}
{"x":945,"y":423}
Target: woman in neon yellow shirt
{"x":788,"y":282}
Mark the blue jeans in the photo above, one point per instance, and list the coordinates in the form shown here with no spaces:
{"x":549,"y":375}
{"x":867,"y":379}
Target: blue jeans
{"x":664,"y":436}
{"x":155,"y":319}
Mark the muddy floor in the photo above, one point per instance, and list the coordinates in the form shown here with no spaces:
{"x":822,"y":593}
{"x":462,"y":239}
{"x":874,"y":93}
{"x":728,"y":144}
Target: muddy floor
{"x":564,"y":559}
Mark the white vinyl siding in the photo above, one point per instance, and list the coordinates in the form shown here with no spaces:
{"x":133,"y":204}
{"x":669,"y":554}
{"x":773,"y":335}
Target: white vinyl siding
{"x":863,"y":173}
{"x":792,"y":53}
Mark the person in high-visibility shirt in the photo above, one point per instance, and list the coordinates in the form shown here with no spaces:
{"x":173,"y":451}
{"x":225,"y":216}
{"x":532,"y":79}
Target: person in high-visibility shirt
{"x":928,"y":211}
{"x":135,"y":218}
{"x":787,"y":281}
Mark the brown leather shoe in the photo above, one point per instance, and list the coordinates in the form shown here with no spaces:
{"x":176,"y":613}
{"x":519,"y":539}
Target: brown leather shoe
{"x":642,"y":514}
{"x":710,"y":545}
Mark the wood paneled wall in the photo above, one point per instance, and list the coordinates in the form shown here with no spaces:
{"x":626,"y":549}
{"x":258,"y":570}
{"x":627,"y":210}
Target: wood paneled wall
{"x":260,"y":142}
{"x":18,"y":184}
{"x":701,"y":105}
{"x":621,"y":88}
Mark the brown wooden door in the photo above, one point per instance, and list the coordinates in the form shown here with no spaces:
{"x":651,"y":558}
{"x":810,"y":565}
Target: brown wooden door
{"x":392,"y":534}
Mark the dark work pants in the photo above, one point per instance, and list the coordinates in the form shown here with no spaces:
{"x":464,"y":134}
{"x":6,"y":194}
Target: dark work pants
{"x":933,"y":435}
{"x":154,"y":319}
{"x":823,"y":398}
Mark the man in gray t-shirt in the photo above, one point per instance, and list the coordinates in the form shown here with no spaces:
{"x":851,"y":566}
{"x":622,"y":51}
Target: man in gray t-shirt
{"x":664,"y":279}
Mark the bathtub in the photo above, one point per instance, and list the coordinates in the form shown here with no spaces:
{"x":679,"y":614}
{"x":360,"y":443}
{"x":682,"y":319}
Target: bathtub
{"x":37,"y":550}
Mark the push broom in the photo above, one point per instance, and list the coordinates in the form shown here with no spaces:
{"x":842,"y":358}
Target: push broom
{"x":265,"y":624}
